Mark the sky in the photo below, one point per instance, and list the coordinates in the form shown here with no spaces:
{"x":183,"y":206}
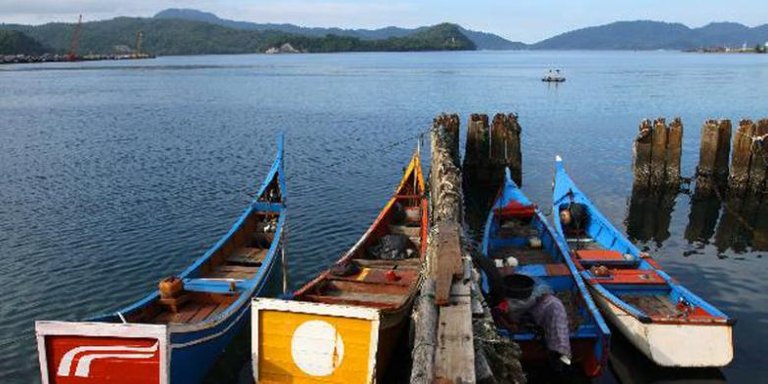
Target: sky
{"x":518,"y":20}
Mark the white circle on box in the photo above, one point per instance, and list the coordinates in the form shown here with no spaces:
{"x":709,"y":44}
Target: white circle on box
{"x":317,"y":348}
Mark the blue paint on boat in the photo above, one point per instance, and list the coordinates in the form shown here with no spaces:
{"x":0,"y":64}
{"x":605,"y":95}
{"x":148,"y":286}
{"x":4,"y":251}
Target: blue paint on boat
{"x":590,"y":341}
{"x":601,"y":231}
{"x":195,"y":347}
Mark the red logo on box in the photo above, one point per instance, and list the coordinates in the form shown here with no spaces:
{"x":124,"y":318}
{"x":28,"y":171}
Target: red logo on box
{"x":79,"y":359}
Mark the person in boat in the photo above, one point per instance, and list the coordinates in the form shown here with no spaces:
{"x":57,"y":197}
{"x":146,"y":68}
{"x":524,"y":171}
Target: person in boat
{"x":574,"y":219}
{"x":540,"y":307}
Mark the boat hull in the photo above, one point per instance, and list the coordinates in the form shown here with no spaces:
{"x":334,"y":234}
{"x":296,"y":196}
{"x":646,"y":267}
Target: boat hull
{"x":670,"y":344}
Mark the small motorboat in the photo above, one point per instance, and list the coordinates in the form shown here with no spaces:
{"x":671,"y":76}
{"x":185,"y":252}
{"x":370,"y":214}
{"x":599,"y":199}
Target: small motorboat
{"x":516,"y":227}
{"x":342,"y":326}
{"x":176,"y":333}
{"x":668,"y":323}
{"x":553,"y":77}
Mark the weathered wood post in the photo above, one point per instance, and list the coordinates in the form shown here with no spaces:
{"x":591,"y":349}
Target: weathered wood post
{"x":477,"y":148}
{"x":759,"y":162}
{"x":738,"y":180}
{"x":657,"y":149}
{"x":659,"y":153}
{"x":712,"y":171}
{"x":505,"y":148}
{"x":674,"y":152}
{"x":642,"y":149}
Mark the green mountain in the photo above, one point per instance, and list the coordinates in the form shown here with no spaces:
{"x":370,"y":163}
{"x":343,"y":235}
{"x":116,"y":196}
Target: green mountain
{"x":650,"y":35}
{"x":482,"y":40}
{"x":185,"y":37}
{"x":15,"y":42}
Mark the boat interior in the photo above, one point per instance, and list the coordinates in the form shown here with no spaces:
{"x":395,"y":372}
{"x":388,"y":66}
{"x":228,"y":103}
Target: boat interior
{"x":526,"y":238}
{"x":633,"y":280}
{"x":367,"y":275}
{"x":220,"y":278}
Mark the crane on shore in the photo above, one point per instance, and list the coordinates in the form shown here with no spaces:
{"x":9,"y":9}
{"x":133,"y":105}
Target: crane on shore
{"x":139,"y":41}
{"x":72,"y":55}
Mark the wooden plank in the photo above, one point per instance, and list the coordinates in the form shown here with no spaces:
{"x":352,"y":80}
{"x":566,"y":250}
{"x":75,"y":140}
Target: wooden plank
{"x":203,"y":313}
{"x":738,"y":180}
{"x":186,"y":313}
{"x":455,"y":357}
{"x":449,"y":263}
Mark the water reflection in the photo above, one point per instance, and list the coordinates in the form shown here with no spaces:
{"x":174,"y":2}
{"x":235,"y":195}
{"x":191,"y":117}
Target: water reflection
{"x":702,"y":219}
{"x":743,"y":225}
{"x":650,"y":214}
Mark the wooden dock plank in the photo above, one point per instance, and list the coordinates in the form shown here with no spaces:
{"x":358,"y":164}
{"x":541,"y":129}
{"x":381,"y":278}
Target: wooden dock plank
{"x":455,"y":357}
{"x":449,"y":264}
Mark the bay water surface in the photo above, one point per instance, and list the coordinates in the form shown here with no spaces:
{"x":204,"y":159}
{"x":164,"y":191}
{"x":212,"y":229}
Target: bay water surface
{"x":114,"y":175}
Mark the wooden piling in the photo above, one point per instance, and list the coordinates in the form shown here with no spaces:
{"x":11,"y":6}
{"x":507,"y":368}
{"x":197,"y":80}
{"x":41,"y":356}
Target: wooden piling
{"x":759,"y":161}
{"x":505,"y":148}
{"x":738,"y":180}
{"x":712,"y":171}
{"x":674,"y":151}
{"x":659,"y":153}
{"x":450,"y":123}
{"x":658,"y":148}
{"x":642,"y":149}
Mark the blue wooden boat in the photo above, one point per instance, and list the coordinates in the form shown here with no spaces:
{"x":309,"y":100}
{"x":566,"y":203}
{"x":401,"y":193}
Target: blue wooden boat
{"x":515,"y":227}
{"x":665,"y":321}
{"x":176,"y":333}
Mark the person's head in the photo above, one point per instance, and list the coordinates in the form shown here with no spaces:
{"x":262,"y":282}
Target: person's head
{"x":565,"y":216}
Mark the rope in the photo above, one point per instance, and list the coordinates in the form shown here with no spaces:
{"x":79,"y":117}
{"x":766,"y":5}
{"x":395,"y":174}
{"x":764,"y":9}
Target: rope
{"x":251,"y":190}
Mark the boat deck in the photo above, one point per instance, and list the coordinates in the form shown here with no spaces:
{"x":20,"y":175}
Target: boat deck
{"x":652,"y":305}
{"x":524,"y":256}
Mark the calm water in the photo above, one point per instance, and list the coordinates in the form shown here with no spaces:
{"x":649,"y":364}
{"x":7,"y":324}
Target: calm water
{"x":116,"y":174}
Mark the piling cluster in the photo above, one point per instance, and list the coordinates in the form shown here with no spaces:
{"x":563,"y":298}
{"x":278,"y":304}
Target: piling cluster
{"x":735,"y":167}
{"x":658,"y":149}
{"x":491,"y":148}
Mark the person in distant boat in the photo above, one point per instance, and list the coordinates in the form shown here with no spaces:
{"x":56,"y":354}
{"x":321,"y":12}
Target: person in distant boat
{"x":543,"y":309}
{"x":573,"y":218}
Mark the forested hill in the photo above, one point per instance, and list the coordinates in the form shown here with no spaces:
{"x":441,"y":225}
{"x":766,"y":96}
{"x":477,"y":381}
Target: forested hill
{"x":15,"y":42}
{"x":185,"y":37}
{"x":482,"y":40}
{"x":646,"y":35}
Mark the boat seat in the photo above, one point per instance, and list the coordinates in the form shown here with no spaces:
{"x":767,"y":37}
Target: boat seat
{"x":209,"y":285}
{"x":629,"y":276}
{"x":605,"y":257}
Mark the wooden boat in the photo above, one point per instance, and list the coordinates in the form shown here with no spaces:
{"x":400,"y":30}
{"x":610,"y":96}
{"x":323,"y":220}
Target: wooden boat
{"x":175,"y":334}
{"x":341,"y":327}
{"x":516,"y":227}
{"x":665,"y":321}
